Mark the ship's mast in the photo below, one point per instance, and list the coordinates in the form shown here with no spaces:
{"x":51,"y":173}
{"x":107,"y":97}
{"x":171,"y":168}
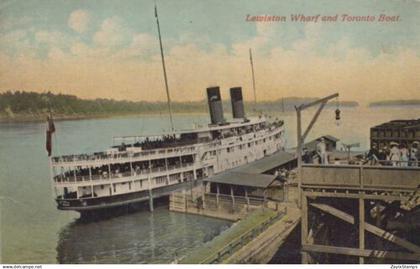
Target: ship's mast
{"x":253,"y":80}
{"x":164,"y":71}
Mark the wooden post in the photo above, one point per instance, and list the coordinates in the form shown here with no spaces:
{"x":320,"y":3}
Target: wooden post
{"x":379,"y":243}
{"x":285,"y":192}
{"x":90,"y":173}
{"x":151,"y":200}
{"x":150,"y":167}
{"x":301,"y":138}
{"x":304,"y":227}
{"x":109,"y":171}
{"x":232,"y":196}
{"x":247,"y":198}
{"x":217,"y":194}
{"x":265,"y":198}
{"x":150,"y":187}
{"x":361,"y":228}
{"x":299,"y":156}
{"x":53,"y":174}
{"x":167,"y":171}
{"x":204,"y":194}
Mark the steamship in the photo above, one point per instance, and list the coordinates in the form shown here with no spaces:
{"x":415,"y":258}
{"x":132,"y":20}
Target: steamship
{"x":141,"y":168}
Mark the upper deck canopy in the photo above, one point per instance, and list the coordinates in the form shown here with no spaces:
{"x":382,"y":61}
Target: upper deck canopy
{"x":208,"y":128}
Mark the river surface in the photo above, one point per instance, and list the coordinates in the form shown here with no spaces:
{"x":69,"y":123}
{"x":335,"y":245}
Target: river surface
{"x":32,"y":230}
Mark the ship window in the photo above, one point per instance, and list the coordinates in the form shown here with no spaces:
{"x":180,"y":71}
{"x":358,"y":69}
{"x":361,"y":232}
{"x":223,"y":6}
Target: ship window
{"x":102,"y":187}
{"x":264,"y":140}
{"x":249,"y":145}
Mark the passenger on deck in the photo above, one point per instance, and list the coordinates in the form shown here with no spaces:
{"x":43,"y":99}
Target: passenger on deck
{"x":306,"y":156}
{"x":322,"y":151}
{"x":387,"y":152}
{"x":395,"y":154}
{"x":382,"y":156}
{"x":404,"y":155}
{"x":414,"y":153}
{"x":372,"y":155}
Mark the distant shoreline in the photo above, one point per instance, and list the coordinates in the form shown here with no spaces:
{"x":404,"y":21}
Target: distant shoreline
{"x":43,"y":118}
{"x":21,"y":106}
{"x":395,"y":106}
{"x":396,"y":103}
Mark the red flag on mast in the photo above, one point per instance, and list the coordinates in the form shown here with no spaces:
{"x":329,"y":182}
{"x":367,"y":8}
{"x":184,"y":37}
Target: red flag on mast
{"x":50,"y":131}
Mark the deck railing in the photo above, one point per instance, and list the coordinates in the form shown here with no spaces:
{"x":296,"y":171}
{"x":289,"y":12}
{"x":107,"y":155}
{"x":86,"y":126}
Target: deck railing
{"x":78,"y":178}
{"x":126,"y":156}
{"x":361,"y":176}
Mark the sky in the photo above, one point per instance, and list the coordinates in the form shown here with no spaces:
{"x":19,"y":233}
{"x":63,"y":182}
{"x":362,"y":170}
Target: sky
{"x":110,"y":49}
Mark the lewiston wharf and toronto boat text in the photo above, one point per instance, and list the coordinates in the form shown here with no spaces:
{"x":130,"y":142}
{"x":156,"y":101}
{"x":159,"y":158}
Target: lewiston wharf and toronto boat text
{"x":381,"y":18}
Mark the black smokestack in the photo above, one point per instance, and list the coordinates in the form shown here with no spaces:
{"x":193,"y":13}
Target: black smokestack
{"x":237,"y":103}
{"x":215,"y":105}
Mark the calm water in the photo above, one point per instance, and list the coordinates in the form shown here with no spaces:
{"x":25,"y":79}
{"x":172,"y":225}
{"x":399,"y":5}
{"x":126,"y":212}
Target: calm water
{"x":33,"y":231}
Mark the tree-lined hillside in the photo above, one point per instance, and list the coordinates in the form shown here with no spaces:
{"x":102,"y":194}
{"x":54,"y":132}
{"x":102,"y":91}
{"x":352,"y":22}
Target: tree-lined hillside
{"x":21,"y":104}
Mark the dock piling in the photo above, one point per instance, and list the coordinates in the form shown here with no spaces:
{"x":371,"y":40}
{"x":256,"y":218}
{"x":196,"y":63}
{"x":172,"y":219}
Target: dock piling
{"x":151,"y":200}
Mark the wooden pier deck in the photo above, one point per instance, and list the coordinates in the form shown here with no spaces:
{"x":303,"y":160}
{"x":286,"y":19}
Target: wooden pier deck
{"x":227,"y":243}
{"x":260,"y":230}
{"x":372,"y":190}
{"x":265,"y":245}
{"x":325,"y":189}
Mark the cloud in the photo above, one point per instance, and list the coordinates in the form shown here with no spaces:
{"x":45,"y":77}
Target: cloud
{"x":13,"y":37}
{"x":10,"y":23}
{"x":122,"y":64}
{"x":53,"y":38}
{"x":56,"y":54}
{"x":112,"y":33}
{"x":309,"y":44}
{"x":142,"y":45}
{"x":79,"y":20}
{"x":16,"y":42}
